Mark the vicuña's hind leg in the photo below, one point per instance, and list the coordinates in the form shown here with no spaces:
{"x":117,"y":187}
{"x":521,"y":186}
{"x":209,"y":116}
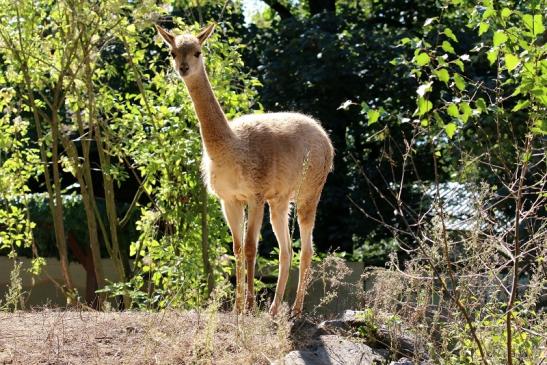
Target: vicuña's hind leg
{"x":306,"y":219}
{"x":233,"y":212}
{"x":279,"y":214}
{"x":254,"y":222}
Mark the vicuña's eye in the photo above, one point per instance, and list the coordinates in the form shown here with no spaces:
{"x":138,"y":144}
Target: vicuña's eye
{"x":197,"y":54}
{"x":173,"y":54}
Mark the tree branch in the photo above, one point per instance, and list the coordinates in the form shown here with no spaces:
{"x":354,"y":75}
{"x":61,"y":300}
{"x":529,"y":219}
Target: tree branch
{"x":279,"y":8}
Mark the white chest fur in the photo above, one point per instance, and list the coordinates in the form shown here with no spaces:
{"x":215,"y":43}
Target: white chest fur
{"x":226,"y":180}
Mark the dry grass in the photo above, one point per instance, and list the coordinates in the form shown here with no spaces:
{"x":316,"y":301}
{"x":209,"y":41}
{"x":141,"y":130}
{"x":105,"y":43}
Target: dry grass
{"x":170,"y":337}
{"x":205,"y":336}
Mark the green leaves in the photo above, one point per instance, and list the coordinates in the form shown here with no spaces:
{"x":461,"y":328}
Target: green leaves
{"x":466,"y":111}
{"x":18,"y":164}
{"x":424,"y":106}
{"x":534,"y":23}
{"x":511,"y":61}
{"x":489,"y":12}
{"x":450,"y":129}
{"x":499,"y":38}
{"x":492,"y":56}
{"x":459,"y":63}
{"x":373,"y":115}
{"x":448,"y":32}
{"x":422,"y":59}
{"x":483,"y":28}
{"x":481,"y":105}
{"x":459,"y":81}
{"x":447,"y":47}
{"x":443,"y":75}
{"x":453,"y":111}
{"x":540,"y":127}
{"x":462,"y":113}
{"x":521,"y":105}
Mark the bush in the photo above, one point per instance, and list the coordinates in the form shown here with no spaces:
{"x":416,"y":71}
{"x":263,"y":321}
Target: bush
{"x":473,"y":294}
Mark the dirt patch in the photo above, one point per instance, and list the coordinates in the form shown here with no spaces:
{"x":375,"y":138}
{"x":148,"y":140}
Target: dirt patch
{"x":170,"y":337}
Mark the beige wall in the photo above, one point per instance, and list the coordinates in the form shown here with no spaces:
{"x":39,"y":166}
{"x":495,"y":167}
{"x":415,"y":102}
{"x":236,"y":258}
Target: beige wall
{"x":45,"y":292}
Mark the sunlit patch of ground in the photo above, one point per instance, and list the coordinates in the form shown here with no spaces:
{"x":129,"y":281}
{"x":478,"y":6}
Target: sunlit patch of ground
{"x":170,"y":337}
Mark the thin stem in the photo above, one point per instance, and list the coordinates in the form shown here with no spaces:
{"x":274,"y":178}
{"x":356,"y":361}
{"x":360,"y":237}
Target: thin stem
{"x":516,"y":254}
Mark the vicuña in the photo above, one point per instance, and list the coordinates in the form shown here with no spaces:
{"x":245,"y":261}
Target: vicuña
{"x":277,"y":158}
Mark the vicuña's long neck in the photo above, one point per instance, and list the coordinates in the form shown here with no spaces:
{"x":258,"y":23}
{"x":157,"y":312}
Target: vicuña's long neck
{"x":214,"y":128}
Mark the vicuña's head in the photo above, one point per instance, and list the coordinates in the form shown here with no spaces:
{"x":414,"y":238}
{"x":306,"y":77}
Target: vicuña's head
{"x":186,"y":49}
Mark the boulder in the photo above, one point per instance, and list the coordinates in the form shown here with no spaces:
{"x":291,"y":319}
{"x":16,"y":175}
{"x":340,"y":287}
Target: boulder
{"x":349,"y":323}
{"x":333,"y":350}
{"x":334,"y":342}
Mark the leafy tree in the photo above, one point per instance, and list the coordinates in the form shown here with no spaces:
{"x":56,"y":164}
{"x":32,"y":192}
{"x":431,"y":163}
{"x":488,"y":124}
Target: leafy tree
{"x":346,"y":68}
{"x":486,"y":128}
{"x":62,"y":96}
{"x":335,"y":67}
{"x":19,"y":162}
{"x":104,"y":99}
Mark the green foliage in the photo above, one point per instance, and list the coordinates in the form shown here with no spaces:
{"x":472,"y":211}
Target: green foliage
{"x":471,"y":77}
{"x":369,"y":329}
{"x":106,"y":89}
{"x":18,"y":163}
{"x":493,"y":333}
{"x":14,"y":296}
{"x":453,"y":91}
{"x":479,"y":108}
{"x":37,"y":205}
{"x":59,"y":96}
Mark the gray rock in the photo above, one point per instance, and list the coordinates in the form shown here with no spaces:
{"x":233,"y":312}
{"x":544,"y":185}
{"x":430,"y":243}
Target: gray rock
{"x":346,"y":324}
{"x":333,"y":342}
{"x":333,"y":350}
{"x":351,"y":320}
{"x":301,"y":357}
{"x":402,"y":361}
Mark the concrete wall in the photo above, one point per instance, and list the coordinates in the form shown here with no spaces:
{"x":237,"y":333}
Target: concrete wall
{"x":41,"y":290}
{"x":44,"y":292}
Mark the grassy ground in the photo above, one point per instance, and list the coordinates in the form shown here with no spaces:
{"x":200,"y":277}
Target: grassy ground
{"x":73,"y":337}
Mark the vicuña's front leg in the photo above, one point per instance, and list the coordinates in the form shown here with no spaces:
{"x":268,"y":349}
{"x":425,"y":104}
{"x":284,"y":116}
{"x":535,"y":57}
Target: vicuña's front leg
{"x":234,"y":212}
{"x":279,"y":214}
{"x":255,"y":214}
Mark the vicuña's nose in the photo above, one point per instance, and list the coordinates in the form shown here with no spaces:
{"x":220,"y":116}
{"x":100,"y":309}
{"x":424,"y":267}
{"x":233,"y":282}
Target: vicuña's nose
{"x":184,"y":67}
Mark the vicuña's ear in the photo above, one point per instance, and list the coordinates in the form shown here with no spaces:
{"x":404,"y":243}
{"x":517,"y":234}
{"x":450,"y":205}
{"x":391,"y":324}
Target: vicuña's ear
{"x":205,"y":33}
{"x":168,"y":37}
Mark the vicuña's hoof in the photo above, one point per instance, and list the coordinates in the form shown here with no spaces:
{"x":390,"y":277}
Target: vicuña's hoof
{"x":249,"y":305}
{"x":274,"y":308}
{"x":238,"y":307}
{"x":296,"y":312}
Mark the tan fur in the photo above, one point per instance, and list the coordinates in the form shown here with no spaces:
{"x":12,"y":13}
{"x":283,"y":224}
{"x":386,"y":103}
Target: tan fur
{"x":275,"y":158}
